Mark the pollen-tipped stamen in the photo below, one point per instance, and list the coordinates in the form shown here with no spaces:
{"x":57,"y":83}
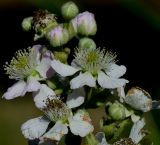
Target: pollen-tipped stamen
{"x":93,"y":60}
{"x":56,"y":110}
{"x":22,"y":65}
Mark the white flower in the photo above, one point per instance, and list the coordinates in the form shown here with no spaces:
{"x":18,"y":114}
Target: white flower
{"x":59,"y":113}
{"x":28,"y":67}
{"x":93,"y":64}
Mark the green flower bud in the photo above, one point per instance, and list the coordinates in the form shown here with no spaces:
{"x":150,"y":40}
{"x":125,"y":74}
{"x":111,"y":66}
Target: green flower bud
{"x":69,"y":10}
{"x":58,"y":36}
{"x":62,"y":56}
{"x":86,"y":43}
{"x":27,"y":23}
{"x":117,"y":111}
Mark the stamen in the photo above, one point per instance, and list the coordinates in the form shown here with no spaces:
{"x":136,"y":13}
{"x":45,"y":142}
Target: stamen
{"x":125,"y":141}
{"x":93,"y":60}
{"x":22,"y":65}
{"x":56,"y":110}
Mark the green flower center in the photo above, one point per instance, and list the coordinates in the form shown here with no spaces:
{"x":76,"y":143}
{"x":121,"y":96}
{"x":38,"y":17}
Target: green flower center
{"x":22,"y":65}
{"x":93,"y":60}
{"x":92,"y":57}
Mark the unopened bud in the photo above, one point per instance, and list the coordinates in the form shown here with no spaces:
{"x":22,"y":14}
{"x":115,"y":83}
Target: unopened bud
{"x":117,"y":111}
{"x":69,"y":10}
{"x":85,"y":24}
{"x":70,"y":29}
{"x":58,"y":36}
{"x":139,"y":99}
{"x":27,"y":23}
{"x":86,"y":43}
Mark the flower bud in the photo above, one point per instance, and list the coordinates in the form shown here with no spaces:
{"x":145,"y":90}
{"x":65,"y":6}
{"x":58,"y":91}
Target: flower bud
{"x":58,"y":36}
{"x":86,"y":43}
{"x":27,"y":23}
{"x":69,"y":10}
{"x":117,"y":111}
{"x":139,"y":99}
{"x":70,"y":29}
{"x":85,"y":24}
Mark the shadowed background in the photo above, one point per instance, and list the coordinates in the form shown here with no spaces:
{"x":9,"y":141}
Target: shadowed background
{"x":131,"y":28}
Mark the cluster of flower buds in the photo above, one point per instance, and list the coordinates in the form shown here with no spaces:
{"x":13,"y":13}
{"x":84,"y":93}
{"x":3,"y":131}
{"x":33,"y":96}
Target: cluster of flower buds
{"x":64,"y":90}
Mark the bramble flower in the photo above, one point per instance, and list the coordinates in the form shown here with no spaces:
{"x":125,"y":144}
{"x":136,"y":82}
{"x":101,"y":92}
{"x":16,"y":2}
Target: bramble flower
{"x":84,"y":24}
{"x":93,"y":64}
{"x":28,"y":67}
{"x":59,"y":113}
{"x":58,"y":36}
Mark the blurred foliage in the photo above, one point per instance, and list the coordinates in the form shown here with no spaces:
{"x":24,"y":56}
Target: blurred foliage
{"x":12,"y":114}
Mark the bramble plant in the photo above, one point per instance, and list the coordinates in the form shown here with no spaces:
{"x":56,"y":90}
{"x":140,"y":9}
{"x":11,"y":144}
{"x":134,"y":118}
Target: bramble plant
{"x":65,"y":90}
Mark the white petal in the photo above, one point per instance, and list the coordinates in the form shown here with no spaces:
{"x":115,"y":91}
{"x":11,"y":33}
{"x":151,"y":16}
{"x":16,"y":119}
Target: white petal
{"x":83,"y":79}
{"x":116,"y":71}
{"x":34,"y":128}
{"x":63,"y":69}
{"x":110,"y":82}
{"x":100,"y":136}
{"x":42,"y":95}
{"x":15,"y":90}
{"x":44,"y":67}
{"x":80,"y":124}
{"x":76,"y":98}
{"x":136,"y":133}
{"x":32,"y":85}
{"x":121,"y":93}
{"x":56,"y":132}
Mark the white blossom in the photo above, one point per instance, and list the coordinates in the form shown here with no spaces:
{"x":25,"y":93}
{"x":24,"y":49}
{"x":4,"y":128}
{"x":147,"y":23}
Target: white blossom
{"x":93,"y":64}
{"x":27,"y":67}
{"x":61,"y":114}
